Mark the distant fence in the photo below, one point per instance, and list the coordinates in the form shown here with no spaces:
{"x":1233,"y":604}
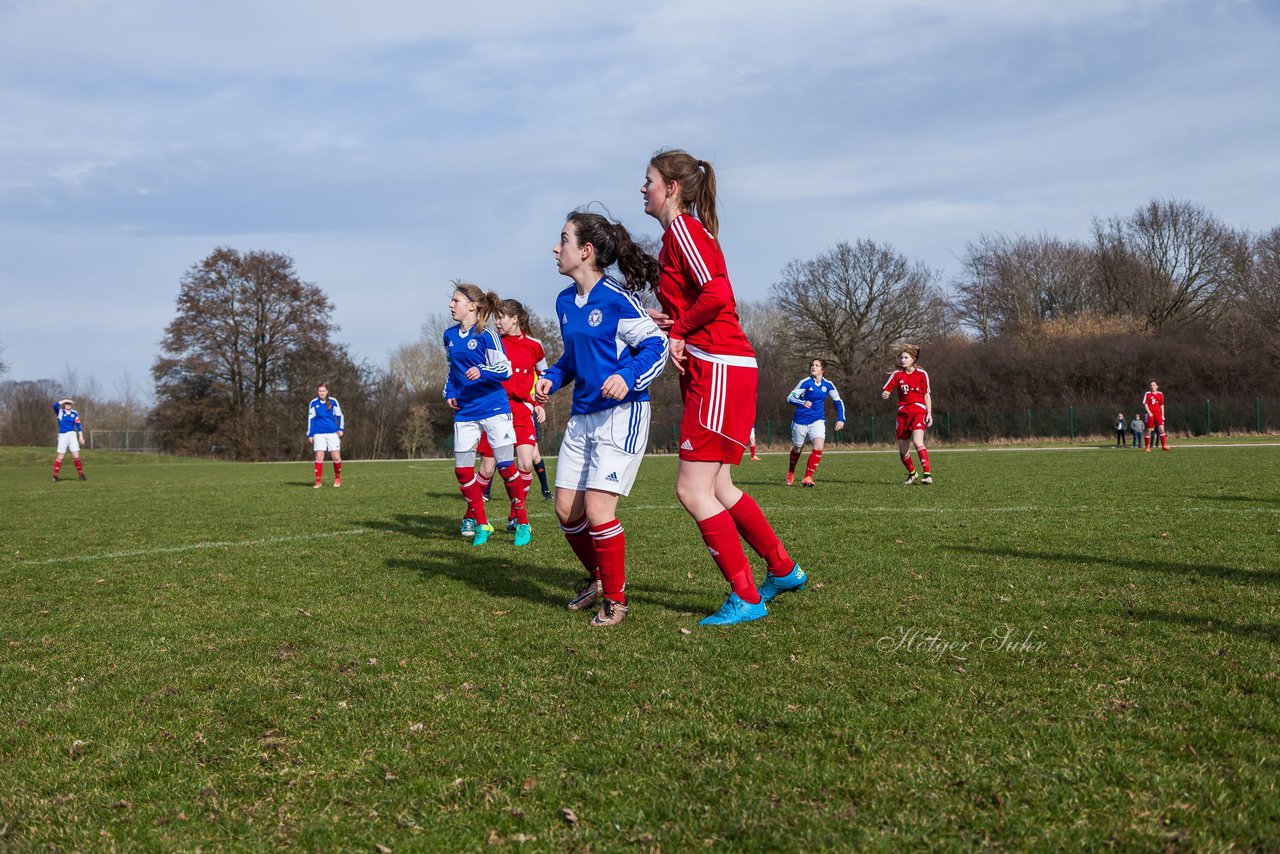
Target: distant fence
{"x":123,"y":440}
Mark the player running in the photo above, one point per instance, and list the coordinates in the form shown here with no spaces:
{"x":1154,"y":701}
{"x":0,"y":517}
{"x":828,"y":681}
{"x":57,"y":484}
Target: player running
{"x":70,"y":436}
{"x":1153,"y":405}
{"x":718,"y":376}
{"x":809,"y":424}
{"x":612,"y":352}
{"x":324,"y":432}
{"x":915,"y":410}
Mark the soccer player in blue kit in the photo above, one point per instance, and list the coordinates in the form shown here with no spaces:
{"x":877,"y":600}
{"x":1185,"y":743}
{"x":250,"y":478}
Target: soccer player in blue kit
{"x":809,"y":424}
{"x":70,"y":436}
{"x":612,"y":352}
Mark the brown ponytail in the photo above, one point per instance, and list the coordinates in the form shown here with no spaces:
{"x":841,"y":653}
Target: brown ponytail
{"x":487,"y":302}
{"x":697,"y":182}
{"x":613,"y":244}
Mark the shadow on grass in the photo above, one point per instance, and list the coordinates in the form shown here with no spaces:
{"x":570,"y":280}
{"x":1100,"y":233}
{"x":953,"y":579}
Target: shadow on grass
{"x":1210,"y":625}
{"x":1227,"y":573}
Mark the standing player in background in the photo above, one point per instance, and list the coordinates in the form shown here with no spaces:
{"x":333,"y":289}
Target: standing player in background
{"x":809,"y":424}
{"x":718,"y":377}
{"x":612,"y":352}
{"x":478,"y":367}
{"x":915,"y":410}
{"x":324,"y":432}
{"x":70,"y":436}
{"x":528,"y":362}
{"x":1153,"y":405}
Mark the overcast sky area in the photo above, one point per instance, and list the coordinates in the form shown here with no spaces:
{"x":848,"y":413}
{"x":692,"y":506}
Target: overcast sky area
{"x":389,"y":147}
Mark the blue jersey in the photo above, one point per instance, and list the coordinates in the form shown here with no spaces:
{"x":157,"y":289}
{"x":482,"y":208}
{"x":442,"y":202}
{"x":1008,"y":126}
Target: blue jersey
{"x":69,"y":421}
{"x":323,"y":416}
{"x":606,"y":332}
{"x":816,"y":392}
{"x":476,"y":348}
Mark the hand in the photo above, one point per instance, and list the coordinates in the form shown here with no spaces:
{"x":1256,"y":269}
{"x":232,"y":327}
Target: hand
{"x":928,"y":419}
{"x":339,"y":434}
{"x":540,"y":414}
{"x":453,"y":403}
{"x":614,"y":388}
{"x":808,"y":404}
{"x":884,"y":395}
{"x":678,"y":356}
{"x":542,"y":391}
{"x":311,"y":440}
{"x":473,"y":373}
{"x":663,"y":320}
{"x":839,"y":425}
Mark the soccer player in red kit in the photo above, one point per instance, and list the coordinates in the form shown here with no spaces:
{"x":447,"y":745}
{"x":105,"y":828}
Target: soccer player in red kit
{"x":915,"y":410}
{"x":1153,"y":403}
{"x":717,"y":366}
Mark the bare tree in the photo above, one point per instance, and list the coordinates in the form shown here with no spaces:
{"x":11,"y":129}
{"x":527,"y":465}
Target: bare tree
{"x":1168,"y":264}
{"x":240,"y":318}
{"x":852,"y":302}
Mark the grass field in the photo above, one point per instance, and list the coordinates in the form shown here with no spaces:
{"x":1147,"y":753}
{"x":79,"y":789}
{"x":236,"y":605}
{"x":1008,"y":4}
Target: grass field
{"x":1047,"y":649}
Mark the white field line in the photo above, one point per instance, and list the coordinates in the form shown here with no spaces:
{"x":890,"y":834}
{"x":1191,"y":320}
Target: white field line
{"x":848,"y":508}
{"x":265,"y":541}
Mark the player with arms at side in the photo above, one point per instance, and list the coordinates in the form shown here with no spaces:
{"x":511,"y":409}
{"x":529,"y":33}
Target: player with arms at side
{"x":70,"y":436}
{"x":718,"y":378}
{"x":1153,"y":405}
{"x":612,"y":352}
{"x":915,"y":409}
{"x":478,"y":367}
{"x":809,"y":424}
{"x":324,"y":432}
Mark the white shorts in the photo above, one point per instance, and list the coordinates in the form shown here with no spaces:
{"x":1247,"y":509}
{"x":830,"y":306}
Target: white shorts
{"x":801,"y":433}
{"x":68,"y":442}
{"x":602,"y":450}
{"x":326,"y":442}
{"x":499,"y":429}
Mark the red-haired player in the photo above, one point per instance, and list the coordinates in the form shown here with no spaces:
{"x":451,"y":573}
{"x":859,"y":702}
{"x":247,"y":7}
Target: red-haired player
{"x":915,"y":410}
{"x":718,"y":376}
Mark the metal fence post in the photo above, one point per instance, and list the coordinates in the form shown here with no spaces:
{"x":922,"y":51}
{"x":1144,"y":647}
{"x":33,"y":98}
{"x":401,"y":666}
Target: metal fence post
{"x":1071,"y":422}
{"x":1208,"y":418}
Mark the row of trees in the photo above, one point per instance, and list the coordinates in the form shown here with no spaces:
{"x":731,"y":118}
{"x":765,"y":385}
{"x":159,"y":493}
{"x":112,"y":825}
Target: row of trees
{"x":1168,"y":291}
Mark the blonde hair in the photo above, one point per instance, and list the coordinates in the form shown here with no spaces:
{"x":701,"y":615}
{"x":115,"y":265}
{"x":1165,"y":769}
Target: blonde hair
{"x":910,"y":349}
{"x":487,"y":302}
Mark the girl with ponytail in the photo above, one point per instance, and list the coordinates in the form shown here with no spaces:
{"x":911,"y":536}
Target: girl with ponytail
{"x":717,"y":366}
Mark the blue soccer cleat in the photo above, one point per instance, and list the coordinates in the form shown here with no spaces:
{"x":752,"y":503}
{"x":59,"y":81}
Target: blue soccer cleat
{"x":482,"y":535}
{"x":734,"y":610}
{"x":796,"y":579}
{"x":523,"y":534}
{"x":468,"y":529}
{"x":511,"y":524}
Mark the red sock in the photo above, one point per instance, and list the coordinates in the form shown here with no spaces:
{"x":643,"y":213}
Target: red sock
{"x":1163,"y":443}
{"x":1147,"y":440}
{"x":337,"y":470}
{"x":579,"y":538}
{"x":515,"y":491}
{"x":611,"y":550}
{"x":795,"y":457}
{"x":753,"y":450}
{"x":57,"y":467}
{"x":720,"y":533}
{"x":815,"y":457}
{"x":319,"y":471}
{"x":472,"y":490}
{"x":906,"y":461}
{"x":79,"y":466}
{"x":756,"y":530}
{"x":526,"y":479}
{"x":924,"y":459}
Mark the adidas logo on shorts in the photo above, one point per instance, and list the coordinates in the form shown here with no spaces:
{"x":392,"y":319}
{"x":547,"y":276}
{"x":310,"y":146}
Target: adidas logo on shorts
{"x":612,"y":476}
{"x":686,"y":445}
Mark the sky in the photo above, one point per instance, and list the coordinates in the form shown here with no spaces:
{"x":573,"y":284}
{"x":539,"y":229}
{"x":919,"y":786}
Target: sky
{"x":389,"y":147}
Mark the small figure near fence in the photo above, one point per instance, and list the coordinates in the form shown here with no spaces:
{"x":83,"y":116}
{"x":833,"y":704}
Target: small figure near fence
{"x":809,"y":423}
{"x":1153,"y":405}
{"x":1120,"y":429}
{"x":324,"y":432}
{"x":1136,"y":428}
{"x":70,"y":436}
{"x":915,"y":410}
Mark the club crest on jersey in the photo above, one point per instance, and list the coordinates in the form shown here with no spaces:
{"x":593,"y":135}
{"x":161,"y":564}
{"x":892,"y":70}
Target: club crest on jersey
{"x":564,"y":318}
{"x":594,"y":318}
{"x":471,"y":345}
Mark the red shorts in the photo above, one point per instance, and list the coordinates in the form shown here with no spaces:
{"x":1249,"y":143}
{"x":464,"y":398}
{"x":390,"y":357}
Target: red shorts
{"x":719,"y":411}
{"x":522,"y":420}
{"x":1153,"y":421}
{"x":910,"y":420}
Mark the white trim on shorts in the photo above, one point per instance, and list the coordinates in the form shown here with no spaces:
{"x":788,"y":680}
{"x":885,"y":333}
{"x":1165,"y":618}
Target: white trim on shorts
{"x":602,"y":450}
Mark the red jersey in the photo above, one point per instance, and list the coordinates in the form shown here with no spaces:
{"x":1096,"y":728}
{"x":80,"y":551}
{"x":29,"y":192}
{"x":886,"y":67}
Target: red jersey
{"x":1154,"y":402}
{"x":912,"y":386}
{"x":527,"y":361}
{"x":694,"y":290}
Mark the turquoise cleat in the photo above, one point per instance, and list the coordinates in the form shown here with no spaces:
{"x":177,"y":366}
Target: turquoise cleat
{"x":734,"y":610}
{"x":796,"y":579}
{"x":482,"y":535}
{"x":468,"y":528}
{"x":523,"y":535}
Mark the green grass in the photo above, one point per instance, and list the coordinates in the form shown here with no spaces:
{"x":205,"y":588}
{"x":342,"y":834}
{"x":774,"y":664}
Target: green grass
{"x":216,"y":656}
